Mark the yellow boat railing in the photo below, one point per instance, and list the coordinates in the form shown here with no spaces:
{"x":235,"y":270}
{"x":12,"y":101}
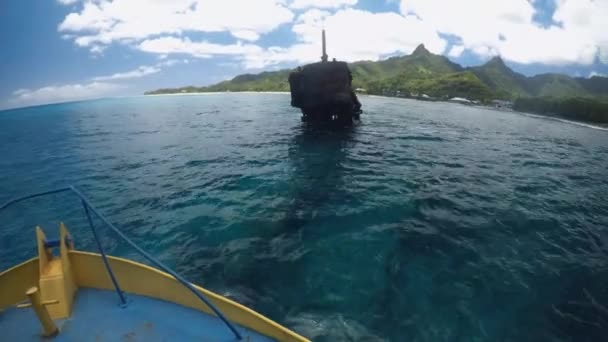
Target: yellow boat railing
{"x":88,"y":208}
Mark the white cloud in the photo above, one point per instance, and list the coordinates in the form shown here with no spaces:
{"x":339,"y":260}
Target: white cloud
{"x":96,"y":87}
{"x":67,"y":2}
{"x":103,"y":22}
{"x":62,"y":93}
{"x":97,"y":49}
{"x":171,"y":45}
{"x":456,"y":51}
{"x":246,"y":35}
{"x":587,"y":20}
{"x":171,"y":62}
{"x":352,"y":35}
{"x":141,"y":71}
{"x":595,"y":73}
{"x":483,"y":27}
{"x":137,"y":73}
{"x":301,"y":4}
{"x":507,"y":28}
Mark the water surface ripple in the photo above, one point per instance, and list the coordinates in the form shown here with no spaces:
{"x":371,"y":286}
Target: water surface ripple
{"x":426,"y":222}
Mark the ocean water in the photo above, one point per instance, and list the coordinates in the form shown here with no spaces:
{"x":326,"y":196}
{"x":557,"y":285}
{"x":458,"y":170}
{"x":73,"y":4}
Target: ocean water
{"x":426,"y":222}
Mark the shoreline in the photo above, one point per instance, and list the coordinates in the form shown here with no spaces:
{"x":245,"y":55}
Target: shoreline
{"x":593,"y":125}
{"x":218,"y":92}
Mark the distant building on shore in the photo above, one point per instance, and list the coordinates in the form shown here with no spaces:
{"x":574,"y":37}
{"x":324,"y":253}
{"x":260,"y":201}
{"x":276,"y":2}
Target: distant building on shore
{"x":502,"y":104}
{"x":460,"y":100}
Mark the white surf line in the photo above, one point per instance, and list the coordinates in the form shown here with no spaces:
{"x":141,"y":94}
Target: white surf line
{"x":576,"y":123}
{"x":218,"y":93}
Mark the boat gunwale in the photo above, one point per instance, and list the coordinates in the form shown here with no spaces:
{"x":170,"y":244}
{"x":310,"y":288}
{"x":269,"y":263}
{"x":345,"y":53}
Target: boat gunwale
{"x":249,"y":318}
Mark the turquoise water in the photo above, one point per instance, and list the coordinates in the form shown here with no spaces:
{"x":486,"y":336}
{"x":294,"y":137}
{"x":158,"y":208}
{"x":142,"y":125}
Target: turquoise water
{"x":426,"y":222}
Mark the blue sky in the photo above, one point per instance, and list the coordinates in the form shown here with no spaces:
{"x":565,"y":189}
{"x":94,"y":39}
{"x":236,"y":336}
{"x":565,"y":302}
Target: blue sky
{"x":61,"y":50}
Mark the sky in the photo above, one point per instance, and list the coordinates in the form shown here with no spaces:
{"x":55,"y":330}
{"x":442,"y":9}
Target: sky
{"x":65,"y":50}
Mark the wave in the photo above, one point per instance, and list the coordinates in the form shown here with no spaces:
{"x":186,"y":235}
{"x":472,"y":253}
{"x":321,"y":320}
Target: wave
{"x":571,"y":122}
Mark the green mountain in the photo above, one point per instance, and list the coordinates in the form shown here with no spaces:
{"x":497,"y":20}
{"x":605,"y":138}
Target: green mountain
{"x":423,"y":72}
{"x":419,"y":73}
{"x":556,"y":85}
{"x":504,"y":82}
{"x":421,"y":63}
{"x":574,"y":108}
{"x":595,"y":85}
{"x":265,"y":81}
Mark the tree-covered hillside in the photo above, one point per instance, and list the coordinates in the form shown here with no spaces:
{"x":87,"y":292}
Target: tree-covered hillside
{"x":423,"y":72}
{"x":574,"y":108}
{"x":504,"y":82}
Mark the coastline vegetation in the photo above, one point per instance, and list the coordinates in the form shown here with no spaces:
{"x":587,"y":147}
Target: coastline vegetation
{"x":424,"y":75}
{"x":572,"y":108}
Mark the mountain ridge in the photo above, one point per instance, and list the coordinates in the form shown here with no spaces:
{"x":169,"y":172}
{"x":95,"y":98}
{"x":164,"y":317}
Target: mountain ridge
{"x":432,"y":74}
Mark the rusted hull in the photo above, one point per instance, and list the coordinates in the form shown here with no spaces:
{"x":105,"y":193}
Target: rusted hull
{"x":323,"y":92}
{"x":329,"y":115}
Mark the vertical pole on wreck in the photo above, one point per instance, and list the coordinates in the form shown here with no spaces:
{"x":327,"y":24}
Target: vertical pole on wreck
{"x":324,"y":56}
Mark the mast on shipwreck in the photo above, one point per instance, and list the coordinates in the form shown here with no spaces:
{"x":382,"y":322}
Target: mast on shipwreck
{"x":323,"y":91}
{"x":324,"y":56}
